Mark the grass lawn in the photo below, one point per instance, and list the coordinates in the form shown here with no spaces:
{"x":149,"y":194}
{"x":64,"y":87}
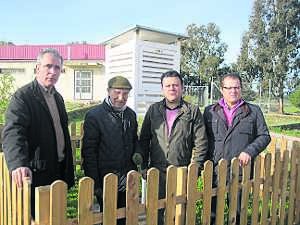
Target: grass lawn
{"x":277,"y":120}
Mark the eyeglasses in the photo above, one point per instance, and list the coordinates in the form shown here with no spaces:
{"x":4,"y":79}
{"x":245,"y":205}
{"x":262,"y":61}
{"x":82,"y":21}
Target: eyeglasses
{"x":232,"y":88}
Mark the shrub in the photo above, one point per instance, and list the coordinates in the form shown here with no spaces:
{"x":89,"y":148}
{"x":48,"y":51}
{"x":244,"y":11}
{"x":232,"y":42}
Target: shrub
{"x":78,"y":114}
{"x":6,"y":90}
{"x":295,"y":97}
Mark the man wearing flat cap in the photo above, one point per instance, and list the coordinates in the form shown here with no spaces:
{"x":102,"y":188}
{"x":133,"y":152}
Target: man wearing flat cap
{"x":110,"y":139}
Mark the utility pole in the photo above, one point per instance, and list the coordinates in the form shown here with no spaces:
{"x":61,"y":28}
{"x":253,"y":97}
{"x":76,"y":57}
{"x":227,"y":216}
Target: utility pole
{"x":260,"y":90}
{"x":269,"y":97}
{"x":211,"y":90}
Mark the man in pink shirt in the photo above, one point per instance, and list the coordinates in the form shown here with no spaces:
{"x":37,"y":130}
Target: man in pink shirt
{"x":173,"y":132}
{"x":235,"y":128}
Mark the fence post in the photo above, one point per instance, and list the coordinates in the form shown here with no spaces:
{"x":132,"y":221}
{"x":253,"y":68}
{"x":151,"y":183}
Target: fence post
{"x":58,"y":203}
{"x":152,"y":196}
{"x":285,"y":174}
{"x":171,"y":184}
{"x":85,"y":201}
{"x":207,"y":190}
{"x":283,"y":144}
{"x":2,"y":215}
{"x":221,"y":191}
{"x":110,"y":199}
{"x":296,"y":147}
{"x":20,"y":206}
{"x":256,"y":189}
{"x":266,"y":190}
{"x":42,"y":205}
{"x":292,"y":194}
{"x":7,"y":196}
{"x":275,"y":187}
{"x":297,"y":204}
{"x":272,"y":150}
{"x":191,"y":193}
{"x":233,"y":191}
{"x":26,"y":201}
{"x":245,"y":194}
{"x":14,"y":205}
{"x":132,"y":198}
{"x":181,"y":191}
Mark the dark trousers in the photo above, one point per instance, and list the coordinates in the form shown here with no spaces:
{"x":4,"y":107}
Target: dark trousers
{"x":121,"y":203}
{"x":161,"y":195}
{"x":214,"y":207}
{"x":58,"y":176}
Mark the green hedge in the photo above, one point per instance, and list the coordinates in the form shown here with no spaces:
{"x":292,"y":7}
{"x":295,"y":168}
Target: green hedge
{"x":78,"y":114}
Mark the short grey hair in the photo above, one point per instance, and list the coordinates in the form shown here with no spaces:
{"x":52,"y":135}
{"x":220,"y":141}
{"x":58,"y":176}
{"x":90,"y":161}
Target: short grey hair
{"x":51,"y":51}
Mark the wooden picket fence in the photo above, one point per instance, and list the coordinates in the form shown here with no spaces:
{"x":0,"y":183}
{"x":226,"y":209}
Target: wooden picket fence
{"x":14,"y":202}
{"x":267,"y":198}
{"x":278,"y":143}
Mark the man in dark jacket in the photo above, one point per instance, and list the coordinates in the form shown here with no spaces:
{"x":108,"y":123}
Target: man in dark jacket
{"x":110,"y":139}
{"x":36,"y":140}
{"x":234,"y":128}
{"x":173,"y":132}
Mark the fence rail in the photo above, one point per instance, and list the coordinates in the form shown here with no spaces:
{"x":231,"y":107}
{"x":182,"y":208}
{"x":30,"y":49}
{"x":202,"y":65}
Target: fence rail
{"x":278,"y":143}
{"x":272,"y":196}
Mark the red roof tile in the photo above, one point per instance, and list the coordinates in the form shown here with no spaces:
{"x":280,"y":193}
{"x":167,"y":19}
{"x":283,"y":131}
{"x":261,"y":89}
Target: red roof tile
{"x":73,"y":51}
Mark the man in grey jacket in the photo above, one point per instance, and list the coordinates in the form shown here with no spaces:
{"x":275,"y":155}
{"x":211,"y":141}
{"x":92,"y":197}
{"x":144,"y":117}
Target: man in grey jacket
{"x":173,"y":132}
{"x":234,"y":128}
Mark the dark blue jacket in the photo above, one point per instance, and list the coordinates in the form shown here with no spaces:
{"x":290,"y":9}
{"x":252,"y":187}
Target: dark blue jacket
{"x":248,"y":133}
{"x":109,"y":142}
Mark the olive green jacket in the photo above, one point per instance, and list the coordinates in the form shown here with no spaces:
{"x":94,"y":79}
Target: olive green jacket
{"x":187,"y":142}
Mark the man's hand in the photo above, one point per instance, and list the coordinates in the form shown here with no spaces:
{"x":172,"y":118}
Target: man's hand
{"x":19,"y":174}
{"x":244,"y":159}
{"x":137,"y":158}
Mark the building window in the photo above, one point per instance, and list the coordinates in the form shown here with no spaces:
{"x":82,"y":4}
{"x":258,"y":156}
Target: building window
{"x":83,"y":85}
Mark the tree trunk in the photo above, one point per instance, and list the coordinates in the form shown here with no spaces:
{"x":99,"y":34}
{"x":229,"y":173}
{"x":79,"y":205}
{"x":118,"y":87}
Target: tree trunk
{"x":280,"y":109}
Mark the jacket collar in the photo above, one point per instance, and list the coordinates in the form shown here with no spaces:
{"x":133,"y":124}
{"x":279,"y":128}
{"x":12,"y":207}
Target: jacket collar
{"x":38,"y":95}
{"x":241,"y":112}
{"x":109,"y":108}
{"x":183,"y":107}
{"x":37,"y":92}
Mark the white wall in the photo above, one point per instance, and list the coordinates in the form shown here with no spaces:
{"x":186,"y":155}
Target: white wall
{"x":142,"y":62}
{"x":120,"y":60}
{"x":23,"y":72}
{"x":155,"y":59}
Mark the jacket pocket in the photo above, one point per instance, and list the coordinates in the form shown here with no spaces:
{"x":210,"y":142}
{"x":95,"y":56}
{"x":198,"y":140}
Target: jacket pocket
{"x":213,"y":129}
{"x":36,"y":164}
{"x":246,"y":128}
{"x":245,"y":132}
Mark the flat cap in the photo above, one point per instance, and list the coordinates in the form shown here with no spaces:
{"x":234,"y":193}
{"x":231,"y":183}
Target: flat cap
{"x":119,"y":82}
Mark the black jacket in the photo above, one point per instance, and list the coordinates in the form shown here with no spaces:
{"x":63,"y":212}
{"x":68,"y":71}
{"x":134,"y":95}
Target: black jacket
{"x":109,"y":141}
{"x":29,"y":137}
{"x":248,"y":133}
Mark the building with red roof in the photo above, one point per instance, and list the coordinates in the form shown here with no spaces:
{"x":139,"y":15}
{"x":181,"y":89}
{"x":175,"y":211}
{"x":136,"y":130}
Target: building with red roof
{"x":141,"y":54}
